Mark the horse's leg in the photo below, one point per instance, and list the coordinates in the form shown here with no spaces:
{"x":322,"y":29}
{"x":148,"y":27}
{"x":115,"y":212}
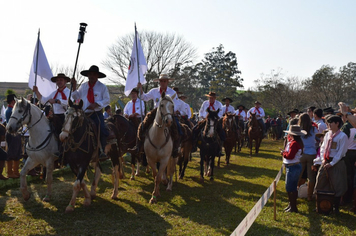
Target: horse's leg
{"x":87,"y":196}
{"x":212,"y":164}
{"x":170,"y":171}
{"x":115,"y":173}
{"x":94,"y":185}
{"x":202,"y":167}
{"x":158,"y":178}
{"x":29,"y":165}
{"x":185,"y":163}
{"x":122,"y":164}
{"x":76,"y":189}
{"x":49,"y":179}
{"x":219,"y":160}
{"x":250,"y":140}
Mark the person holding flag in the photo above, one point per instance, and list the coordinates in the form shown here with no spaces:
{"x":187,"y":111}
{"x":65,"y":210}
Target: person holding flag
{"x":260,"y":113}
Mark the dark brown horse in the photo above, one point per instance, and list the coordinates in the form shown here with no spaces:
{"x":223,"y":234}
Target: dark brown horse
{"x":254,"y":133}
{"x":209,"y":145}
{"x":231,"y":132}
{"x":185,"y":150}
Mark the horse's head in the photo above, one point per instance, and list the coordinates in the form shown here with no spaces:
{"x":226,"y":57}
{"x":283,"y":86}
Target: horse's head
{"x":73,"y":116}
{"x":166,"y":109}
{"x":211,"y":123}
{"x":253,"y":119}
{"x":20,"y":115}
{"x":228,"y":121}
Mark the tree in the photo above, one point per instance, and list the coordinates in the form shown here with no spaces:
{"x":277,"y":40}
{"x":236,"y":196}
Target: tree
{"x":163,"y":52}
{"x":219,"y":72}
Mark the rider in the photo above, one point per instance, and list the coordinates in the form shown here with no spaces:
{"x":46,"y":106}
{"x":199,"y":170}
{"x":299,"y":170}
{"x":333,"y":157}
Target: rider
{"x":95,"y":96}
{"x":186,"y":113}
{"x":155,"y":95}
{"x":227,"y":108}
{"x":214,"y":105}
{"x":59,"y":101}
{"x":241,"y":116}
{"x":132,"y":108}
{"x":260,"y":113}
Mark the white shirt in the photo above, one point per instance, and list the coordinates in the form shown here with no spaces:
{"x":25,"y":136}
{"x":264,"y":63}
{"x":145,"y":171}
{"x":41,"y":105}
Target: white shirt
{"x":229,"y":109}
{"x":129,"y":105}
{"x":217,"y":105}
{"x":58,"y":108}
{"x":321,"y":126}
{"x":296,"y":158}
{"x":242,"y":114}
{"x":340,"y":150}
{"x":101,"y":95}
{"x":155,"y":95}
{"x":260,"y":113}
{"x":351,"y":143}
{"x":186,"y":110}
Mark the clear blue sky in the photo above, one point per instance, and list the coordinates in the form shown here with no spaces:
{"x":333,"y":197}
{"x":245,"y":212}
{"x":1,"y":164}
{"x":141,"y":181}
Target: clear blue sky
{"x":297,"y":36}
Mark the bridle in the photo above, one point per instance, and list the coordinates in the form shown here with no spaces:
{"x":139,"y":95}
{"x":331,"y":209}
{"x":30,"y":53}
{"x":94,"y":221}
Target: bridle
{"x":70,"y":113}
{"x":207,"y":127}
{"x":164,"y":116}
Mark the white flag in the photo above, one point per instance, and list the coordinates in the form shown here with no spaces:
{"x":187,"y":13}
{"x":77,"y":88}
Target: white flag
{"x":44,"y":73}
{"x":132,"y":75}
{"x":115,"y":108}
{"x":3,"y":113}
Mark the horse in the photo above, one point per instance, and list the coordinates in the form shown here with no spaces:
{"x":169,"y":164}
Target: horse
{"x":158,"y":144}
{"x":41,"y":146}
{"x":80,"y":139}
{"x":254,"y":133}
{"x":209,"y":144}
{"x":231,"y":132}
{"x":240,"y":138}
{"x":185,"y":150}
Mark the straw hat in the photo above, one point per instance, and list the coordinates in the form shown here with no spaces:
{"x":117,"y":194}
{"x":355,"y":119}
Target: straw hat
{"x":163,"y":76}
{"x":60,"y":75}
{"x":295,"y":130}
{"x":211,"y":94}
{"x":93,"y":68}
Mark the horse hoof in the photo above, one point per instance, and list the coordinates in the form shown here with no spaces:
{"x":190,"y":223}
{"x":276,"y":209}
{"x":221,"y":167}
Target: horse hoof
{"x":26,"y":197}
{"x":137,"y":174}
{"x":201,"y":180}
{"x":169,"y":190}
{"x":114,"y":197}
{"x":93,"y":196}
{"x":211,"y":178}
{"x":121,"y":176}
{"x":87,"y":202}
{"x":180,"y":177}
{"x":69,"y":209}
{"x":153,"y":200}
{"x":132,"y":177}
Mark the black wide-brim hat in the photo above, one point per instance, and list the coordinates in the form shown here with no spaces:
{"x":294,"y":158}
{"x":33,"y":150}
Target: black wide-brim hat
{"x":328,"y":110}
{"x":296,"y":111}
{"x":10,"y":98}
{"x":93,"y":68}
{"x":243,"y":107}
{"x":227,"y":98}
{"x":60,"y":75}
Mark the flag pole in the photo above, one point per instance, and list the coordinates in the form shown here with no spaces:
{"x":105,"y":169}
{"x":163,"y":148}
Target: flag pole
{"x":80,"y":40}
{"x":138,"y":72}
{"x":38,"y":49}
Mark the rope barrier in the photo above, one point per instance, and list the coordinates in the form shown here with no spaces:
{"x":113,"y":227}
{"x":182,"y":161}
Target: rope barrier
{"x":246,"y":223}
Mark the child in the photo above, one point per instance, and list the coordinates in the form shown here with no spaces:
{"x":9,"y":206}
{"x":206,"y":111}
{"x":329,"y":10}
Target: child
{"x":291,"y":160}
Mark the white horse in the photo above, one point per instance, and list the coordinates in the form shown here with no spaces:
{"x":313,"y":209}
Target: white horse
{"x":158,"y":144}
{"x":41,"y":144}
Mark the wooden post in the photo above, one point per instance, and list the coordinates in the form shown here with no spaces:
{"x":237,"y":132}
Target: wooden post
{"x":274,"y":199}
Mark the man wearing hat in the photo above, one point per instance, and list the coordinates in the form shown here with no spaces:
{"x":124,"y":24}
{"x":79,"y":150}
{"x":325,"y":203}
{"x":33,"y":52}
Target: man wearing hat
{"x":13,"y":143}
{"x":132,"y":108}
{"x":241,"y":116}
{"x":227,"y":108}
{"x":328,"y":111}
{"x":260,"y":113}
{"x":155,"y":95}
{"x":95,"y":96}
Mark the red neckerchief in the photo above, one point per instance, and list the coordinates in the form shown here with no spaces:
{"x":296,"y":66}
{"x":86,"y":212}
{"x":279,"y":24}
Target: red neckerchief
{"x":239,"y":112}
{"x":226,"y":109}
{"x":90,"y":94}
{"x":64,"y":97}
{"x":328,"y":146}
{"x":133,"y":107}
{"x":314,"y":124}
{"x":212,"y":106}
{"x":256,"y":108}
{"x":160,"y":90}
{"x":10,"y":106}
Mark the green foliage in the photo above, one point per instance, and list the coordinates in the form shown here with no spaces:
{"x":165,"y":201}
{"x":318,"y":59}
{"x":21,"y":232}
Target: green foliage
{"x":9,"y":91}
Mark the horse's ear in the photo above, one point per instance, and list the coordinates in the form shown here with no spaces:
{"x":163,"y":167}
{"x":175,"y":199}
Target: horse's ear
{"x":23,"y":101}
{"x":80,"y":104}
{"x":163,"y":94}
{"x":70,"y":102}
{"x":174,"y":96}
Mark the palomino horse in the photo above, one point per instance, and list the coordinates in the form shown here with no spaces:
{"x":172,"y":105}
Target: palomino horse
{"x":209,"y":144}
{"x":41,"y":144}
{"x":231,"y":132}
{"x":158,"y":144}
{"x":80,"y":138}
{"x":185,"y":150}
{"x":254,"y":133}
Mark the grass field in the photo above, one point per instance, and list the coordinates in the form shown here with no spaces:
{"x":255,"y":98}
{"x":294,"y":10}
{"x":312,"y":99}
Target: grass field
{"x":192,"y":208}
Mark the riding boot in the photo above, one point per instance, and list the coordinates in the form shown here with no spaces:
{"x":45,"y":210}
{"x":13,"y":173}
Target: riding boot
{"x":15,"y":168}
{"x":337,"y":205}
{"x":287,"y":209}
{"x":310,"y":191}
{"x":353,"y":209}
{"x":2,"y":165}
{"x":293,"y":202}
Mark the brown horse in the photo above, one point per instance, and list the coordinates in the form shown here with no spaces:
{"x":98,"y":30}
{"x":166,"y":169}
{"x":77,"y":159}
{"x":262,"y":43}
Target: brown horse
{"x":231,"y":132}
{"x":185,"y":150}
{"x":254,"y":133}
{"x":240,"y":136}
